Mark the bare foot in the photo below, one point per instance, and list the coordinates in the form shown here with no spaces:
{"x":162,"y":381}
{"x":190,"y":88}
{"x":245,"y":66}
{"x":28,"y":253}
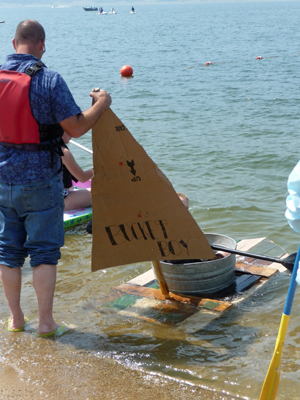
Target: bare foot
{"x":16,"y":322}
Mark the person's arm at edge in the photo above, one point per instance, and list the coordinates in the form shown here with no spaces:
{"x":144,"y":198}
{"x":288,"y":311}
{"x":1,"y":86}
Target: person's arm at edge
{"x":74,"y":168}
{"x":79,"y":124}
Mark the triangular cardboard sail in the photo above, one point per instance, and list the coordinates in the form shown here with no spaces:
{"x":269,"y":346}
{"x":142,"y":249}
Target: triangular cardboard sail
{"x":137,"y":215}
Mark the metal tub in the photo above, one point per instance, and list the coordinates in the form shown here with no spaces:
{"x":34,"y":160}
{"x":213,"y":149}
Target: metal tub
{"x":203,"y":278}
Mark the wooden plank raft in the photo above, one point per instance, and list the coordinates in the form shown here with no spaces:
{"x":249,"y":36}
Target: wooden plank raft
{"x":141,"y":297}
{"x":156,"y":294}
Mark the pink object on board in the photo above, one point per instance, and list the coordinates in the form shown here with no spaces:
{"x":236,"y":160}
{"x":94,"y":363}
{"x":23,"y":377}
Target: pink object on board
{"x":85,"y":185}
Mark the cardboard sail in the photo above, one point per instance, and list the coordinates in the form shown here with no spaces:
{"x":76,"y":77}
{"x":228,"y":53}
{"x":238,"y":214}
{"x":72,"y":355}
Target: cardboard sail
{"x":137,"y":215}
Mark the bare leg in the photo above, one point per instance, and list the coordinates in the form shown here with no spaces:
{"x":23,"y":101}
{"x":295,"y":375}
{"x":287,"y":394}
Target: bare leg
{"x":11,"y":282}
{"x":44,"y":280}
{"x":78,"y":199}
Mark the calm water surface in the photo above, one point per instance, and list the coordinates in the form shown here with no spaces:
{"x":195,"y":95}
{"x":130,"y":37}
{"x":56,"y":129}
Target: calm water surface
{"x":226,"y":134}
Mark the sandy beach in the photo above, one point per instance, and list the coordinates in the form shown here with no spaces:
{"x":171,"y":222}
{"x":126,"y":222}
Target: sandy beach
{"x":106,"y":380}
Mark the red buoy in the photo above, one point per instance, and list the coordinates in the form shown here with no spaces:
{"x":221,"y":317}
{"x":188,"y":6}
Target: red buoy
{"x":259,"y":58}
{"x":126,"y":70}
{"x":208,"y":63}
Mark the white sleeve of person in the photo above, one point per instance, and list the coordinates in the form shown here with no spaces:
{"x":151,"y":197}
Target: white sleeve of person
{"x":293,"y":204}
{"x":298,"y":275}
{"x":293,"y":200}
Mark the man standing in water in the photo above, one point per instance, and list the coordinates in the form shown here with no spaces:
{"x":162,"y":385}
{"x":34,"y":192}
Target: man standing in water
{"x":36,"y":107}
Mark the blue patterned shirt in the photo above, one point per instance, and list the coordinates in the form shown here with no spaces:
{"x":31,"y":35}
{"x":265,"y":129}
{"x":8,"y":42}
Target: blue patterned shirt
{"x":51,"y":102}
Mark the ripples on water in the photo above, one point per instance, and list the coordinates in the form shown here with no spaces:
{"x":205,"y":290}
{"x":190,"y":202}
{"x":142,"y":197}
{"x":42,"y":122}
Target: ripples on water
{"x":226,"y":135}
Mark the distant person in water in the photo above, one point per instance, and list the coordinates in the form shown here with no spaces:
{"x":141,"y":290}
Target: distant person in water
{"x":183,"y":197}
{"x":73,"y":172}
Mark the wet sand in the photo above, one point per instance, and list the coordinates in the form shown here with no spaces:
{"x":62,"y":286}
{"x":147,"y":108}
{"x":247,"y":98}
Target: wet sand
{"x":100,"y":360}
{"x":72,"y":366}
{"x":96,"y":379}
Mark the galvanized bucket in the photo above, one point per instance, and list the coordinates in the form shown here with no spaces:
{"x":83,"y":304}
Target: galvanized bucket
{"x":203,"y":278}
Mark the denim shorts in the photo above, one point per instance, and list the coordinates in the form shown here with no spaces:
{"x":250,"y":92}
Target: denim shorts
{"x":31,"y":222}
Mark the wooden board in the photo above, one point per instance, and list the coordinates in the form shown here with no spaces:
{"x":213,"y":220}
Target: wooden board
{"x":214,"y":305}
{"x":141,"y":298}
{"x":255,"y":269}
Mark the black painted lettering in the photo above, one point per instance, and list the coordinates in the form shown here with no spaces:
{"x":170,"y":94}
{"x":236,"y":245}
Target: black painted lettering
{"x":120,"y":128}
{"x":119,"y":234}
{"x":115,"y":237}
{"x":123,"y":230}
{"x":138,"y":231}
{"x":162,"y":245}
{"x":133,"y":231}
{"x":142,"y":231}
{"x":185,"y":245}
{"x":171,"y":247}
{"x":147,"y":223}
{"x":162,"y":225}
{"x":136,"y":179}
{"x":174,"y":248}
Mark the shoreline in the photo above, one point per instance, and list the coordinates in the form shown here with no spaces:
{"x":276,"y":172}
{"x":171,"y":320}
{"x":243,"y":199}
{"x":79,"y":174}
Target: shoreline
{"x":86,"y":380}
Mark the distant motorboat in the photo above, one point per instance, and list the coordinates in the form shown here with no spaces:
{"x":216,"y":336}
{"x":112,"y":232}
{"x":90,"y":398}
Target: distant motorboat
{"x":102,"y":13}
{"x":112,"y":11}
{"x":90,"y":8}
{"x":132,"y":12}
{"x":2,"y":22}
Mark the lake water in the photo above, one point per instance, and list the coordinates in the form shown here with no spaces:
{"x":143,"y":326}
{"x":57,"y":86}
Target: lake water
{"x":226,"y":134}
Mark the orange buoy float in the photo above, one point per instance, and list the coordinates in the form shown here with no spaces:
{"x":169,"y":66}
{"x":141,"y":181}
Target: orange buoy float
{"x":208,"y":63}
{"x":126,"y":70}
{"x":259,"y":58}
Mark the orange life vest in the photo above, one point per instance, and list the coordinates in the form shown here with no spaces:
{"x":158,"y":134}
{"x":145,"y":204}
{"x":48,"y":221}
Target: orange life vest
{"x":17,"y":124}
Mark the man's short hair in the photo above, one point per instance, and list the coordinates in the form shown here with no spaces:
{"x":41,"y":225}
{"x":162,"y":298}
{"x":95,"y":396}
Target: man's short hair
{"x":182,"y":196}
{"x":29,"y":30}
